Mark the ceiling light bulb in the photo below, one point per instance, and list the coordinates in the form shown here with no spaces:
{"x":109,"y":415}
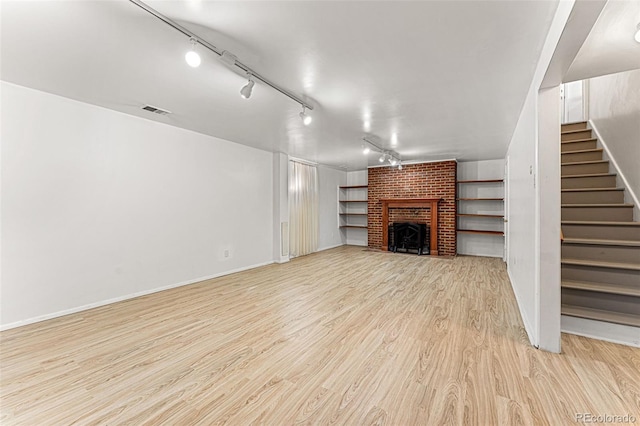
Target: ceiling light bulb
{"x":637,"y":37}
{"x":381,"y":159}
{"x":245,"y":92}
{"x":393,"y":161}
{"x":192,"y":57}
{"x":306,"y":118}
{"x":366,"y":150}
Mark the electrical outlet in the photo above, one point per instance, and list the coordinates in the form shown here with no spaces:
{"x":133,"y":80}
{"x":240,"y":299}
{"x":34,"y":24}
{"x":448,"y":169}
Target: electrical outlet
{"x":226,"y":253}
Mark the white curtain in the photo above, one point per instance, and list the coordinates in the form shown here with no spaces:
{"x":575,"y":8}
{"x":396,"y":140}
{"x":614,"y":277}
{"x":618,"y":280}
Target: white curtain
{"x":303,"y":209}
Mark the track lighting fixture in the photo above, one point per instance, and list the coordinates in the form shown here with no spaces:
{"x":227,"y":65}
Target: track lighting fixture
{"x":192,"y":57}
{"x":306,"y":118}
{"x":385,"y":155}
{"x":194,"y":60}
{"x":245,"y":92}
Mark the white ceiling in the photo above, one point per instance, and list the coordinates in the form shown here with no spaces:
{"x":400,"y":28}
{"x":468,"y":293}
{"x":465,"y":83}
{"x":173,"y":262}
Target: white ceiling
{"x":449,"y":78}
{"x":610,"y":46}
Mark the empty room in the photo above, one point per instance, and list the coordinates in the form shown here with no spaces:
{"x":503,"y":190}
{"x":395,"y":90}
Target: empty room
{"x":319,"y":212}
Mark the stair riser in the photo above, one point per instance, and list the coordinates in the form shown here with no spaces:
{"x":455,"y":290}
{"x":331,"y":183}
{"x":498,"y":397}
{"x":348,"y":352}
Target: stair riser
{"x":593,"y":197}
{"x":616,"y":214}
{"x":581,"y":156}
{"x":627,"y":233}
{"x":624,"y":277}
{"x":604,"y":301}
{"x":578,"y":146}
{"x":573,"y":126}
{"x":621,"y":254}
{"x":589,"y":182}
{"x":584,"y":169}
{"x":585,"y":134}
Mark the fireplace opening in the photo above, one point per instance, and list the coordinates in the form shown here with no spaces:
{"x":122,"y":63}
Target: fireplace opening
{"x":409,"y":237}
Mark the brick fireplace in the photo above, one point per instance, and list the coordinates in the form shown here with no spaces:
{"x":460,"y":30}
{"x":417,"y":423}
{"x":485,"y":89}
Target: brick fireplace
{"x":427,"y":180}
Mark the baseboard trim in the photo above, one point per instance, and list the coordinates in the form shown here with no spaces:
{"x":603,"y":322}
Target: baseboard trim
{"x":600,"y":330}
{"x":125,"y":297}
{"x":527,"y":326}
{"x":330,"y":247}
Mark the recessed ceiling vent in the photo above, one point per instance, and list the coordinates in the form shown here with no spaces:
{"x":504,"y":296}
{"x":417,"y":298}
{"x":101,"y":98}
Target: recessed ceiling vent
{"x":156,"y":110}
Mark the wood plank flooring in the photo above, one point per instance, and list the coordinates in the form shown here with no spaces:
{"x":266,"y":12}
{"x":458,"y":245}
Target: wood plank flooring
{"x":346,"y":336}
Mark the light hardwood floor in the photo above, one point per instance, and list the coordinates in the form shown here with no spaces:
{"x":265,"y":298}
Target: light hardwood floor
{"x":346,"y":336}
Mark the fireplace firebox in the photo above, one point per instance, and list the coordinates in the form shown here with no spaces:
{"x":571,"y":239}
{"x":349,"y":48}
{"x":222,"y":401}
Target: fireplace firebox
{"x":408,"y":237}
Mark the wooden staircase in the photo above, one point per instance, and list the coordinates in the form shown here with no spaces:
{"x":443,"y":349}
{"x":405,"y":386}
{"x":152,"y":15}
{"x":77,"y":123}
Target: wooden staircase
{"x":601,"y":244}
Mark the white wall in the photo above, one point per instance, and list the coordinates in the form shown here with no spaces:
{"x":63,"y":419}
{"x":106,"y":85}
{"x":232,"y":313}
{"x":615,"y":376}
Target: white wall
{"x":329,"y":232}
{"x":280,"y":207}
{"x":614,"y":109}
{"x":534,"y":186}
{"x":478,"y":244}
{"x":357,"y":237}
{"x":573,"y":105}
{"x":98,"y":205}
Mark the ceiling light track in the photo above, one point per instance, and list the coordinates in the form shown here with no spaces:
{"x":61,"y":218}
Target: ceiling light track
{"x":219,"y":52}
{"x":385,"y":154}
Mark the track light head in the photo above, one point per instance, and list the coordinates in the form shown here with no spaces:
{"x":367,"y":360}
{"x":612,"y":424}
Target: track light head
{"x":306,"y":118}
{"x":245,"y":92}
{"x":400,"y":166}
{"x":192,"y":57}
{"x":365,"y":149}
{"x":382,"y":158}
{"x":637,"y":36}
{"x":393,"y":161}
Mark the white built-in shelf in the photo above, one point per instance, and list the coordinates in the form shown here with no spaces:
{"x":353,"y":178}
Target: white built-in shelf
{"x":350,"y":211}
{"x":489,"y":216}
{"x":480,"y":231}
{"x":473,"y":212}
{"x":481,"y":181}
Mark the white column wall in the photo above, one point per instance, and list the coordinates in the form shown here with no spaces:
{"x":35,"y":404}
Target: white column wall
{"x":534,"y":185}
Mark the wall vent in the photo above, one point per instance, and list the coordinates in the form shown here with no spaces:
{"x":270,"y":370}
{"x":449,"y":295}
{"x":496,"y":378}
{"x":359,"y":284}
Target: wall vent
{"x":156,"y":110}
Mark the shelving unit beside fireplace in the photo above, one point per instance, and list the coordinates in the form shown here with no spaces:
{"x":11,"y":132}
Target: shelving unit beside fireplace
{"x":481,"y":209}
{"x":352,"y":207}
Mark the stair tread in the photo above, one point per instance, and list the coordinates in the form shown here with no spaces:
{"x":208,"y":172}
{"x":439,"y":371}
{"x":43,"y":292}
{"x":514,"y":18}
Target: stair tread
{"x":580,"y":140}
{"x":574,"y":122}
{"x":579,"y":163}
{"x":590,"y":189}
{"x":600,"y":287}
{"x":601,"y":315}
{"x":601,"y":242}
{"x":598,"y":205}
{"x":589,"y":175}
{"x":568,"y":132}
{"x":582,"y":151}
{"x":600,"y":263}
{"x":599,"y":222}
